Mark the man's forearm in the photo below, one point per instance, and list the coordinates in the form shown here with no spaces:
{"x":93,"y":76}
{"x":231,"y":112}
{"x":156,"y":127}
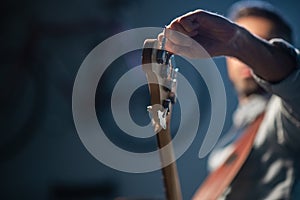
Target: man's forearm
{"x":266,"y":60}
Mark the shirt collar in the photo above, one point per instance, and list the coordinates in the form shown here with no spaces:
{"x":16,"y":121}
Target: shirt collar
{"x":248,"y":111}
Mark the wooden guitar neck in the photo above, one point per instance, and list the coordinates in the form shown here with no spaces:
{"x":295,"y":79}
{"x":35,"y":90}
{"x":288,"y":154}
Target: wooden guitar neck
{"x":161,"y":87}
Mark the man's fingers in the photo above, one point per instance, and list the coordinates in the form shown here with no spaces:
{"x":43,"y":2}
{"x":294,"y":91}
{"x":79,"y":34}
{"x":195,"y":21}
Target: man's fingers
{"x":184,"y":26}
{"x":194,"y":50}
{"x":189,"y":25}
{"x":179,"y":38}
{"x":177,"y":27}
{"x":176,"y":49}
{"x":175,"y":37}
{"x":170,"y":46}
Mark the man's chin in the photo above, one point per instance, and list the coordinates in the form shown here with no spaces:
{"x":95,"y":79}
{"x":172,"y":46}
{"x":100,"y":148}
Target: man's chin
{"x":248,"y":88}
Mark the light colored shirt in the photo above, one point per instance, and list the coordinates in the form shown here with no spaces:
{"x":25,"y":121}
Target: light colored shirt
{"x":272,"y":169}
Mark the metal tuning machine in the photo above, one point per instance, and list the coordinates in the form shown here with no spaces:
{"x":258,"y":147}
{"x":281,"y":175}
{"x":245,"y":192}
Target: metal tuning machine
{"x":164,"y":67}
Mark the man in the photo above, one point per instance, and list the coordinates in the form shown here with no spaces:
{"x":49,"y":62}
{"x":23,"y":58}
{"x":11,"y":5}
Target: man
{"x":266,"y":76}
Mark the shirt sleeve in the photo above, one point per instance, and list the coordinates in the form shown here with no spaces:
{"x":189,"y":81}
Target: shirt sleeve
{"x":288,"y":90}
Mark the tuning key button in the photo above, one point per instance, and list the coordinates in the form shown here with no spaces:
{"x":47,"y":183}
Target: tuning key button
{"x":160,"y":56}
{"x":172,"y":97}
{"x":163,"y":56}
{"x":166,"y":103}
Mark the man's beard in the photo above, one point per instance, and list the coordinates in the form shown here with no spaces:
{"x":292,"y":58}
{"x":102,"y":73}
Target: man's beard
{"x":248,"y":87}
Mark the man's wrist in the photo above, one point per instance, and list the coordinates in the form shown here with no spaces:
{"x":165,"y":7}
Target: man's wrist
{"x":236,"y":46}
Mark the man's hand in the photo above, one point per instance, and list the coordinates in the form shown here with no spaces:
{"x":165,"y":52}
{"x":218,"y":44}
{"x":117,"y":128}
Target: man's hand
{"x":189,"y":34}
{"x":200,"y":32}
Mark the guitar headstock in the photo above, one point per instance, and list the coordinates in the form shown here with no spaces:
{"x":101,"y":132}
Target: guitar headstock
{"x":160,"y":68}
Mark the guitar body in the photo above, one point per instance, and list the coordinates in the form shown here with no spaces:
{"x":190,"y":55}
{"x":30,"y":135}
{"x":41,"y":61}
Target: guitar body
{"x":217,"y":182}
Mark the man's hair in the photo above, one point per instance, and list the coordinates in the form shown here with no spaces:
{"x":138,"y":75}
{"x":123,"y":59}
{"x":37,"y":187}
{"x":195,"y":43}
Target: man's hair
{"x":265,"y":10}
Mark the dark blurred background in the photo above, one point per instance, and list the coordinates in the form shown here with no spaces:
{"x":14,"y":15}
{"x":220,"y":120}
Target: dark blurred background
{"x":43,"y":43}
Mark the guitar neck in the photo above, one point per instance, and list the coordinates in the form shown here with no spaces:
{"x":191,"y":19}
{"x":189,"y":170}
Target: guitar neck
{"x":158,"y":94}
{"x":170,"y":174}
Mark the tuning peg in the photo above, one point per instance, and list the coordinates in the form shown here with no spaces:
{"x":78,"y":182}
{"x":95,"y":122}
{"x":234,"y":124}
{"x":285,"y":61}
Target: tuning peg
{"x":158,"y":117}
{"x":172,"y":97}
{"x":166,"y":103}
{"x":163,"y":56}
